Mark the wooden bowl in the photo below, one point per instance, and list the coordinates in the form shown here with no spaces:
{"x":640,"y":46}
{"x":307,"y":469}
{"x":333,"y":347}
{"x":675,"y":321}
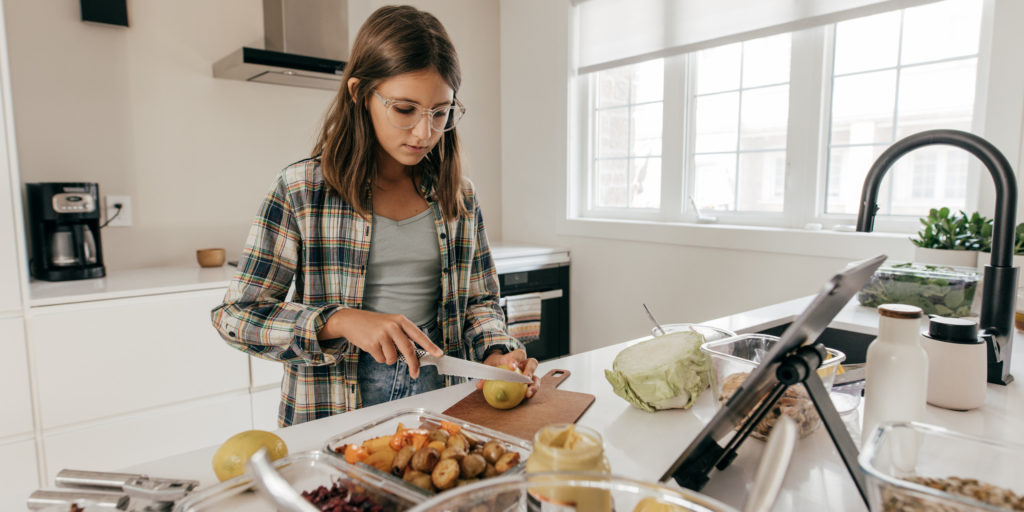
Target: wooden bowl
{"x":210,"y":257}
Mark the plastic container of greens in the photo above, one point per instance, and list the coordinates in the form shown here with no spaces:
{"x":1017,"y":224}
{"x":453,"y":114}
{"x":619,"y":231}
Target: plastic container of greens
{"x":422,"y":418}
{"x":943,"y":291}
{"x":305,"y":471}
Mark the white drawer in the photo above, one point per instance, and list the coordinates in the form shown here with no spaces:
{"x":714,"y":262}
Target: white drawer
{"x":16,"y":399}
{"x":145,"y":438}
{"x":265,"y":373}
{"x":265,"y":405}
{"x":19,"y":474}
{"x":104,"y":358}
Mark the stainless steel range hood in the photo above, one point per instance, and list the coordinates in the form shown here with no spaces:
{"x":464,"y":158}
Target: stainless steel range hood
{"x":306,"y":42}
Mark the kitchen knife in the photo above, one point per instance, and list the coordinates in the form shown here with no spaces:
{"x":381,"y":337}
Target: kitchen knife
{"x":447,"y":365}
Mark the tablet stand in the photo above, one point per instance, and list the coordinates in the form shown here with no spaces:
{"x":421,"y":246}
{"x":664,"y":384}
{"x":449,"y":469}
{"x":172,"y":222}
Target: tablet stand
{"x":800,"y":367}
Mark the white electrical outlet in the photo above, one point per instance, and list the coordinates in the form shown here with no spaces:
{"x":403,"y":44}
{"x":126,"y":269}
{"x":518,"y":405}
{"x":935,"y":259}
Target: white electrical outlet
{"x":123,"y":219}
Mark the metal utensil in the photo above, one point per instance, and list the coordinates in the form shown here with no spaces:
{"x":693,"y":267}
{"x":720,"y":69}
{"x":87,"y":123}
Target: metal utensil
{"x":654,"y":321}
{"x":771,"y":471}
{"x":274,"y":486}
{"x":447,"y":365}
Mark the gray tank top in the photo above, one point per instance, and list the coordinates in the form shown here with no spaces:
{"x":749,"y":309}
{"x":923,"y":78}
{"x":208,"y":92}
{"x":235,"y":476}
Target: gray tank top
{"x":403,"y":274}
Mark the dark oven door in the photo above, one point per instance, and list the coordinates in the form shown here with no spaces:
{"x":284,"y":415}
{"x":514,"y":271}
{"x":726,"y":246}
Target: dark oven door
{"x":553,"y":284}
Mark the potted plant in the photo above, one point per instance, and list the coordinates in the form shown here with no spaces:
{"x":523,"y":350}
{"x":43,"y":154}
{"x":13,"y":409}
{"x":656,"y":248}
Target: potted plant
{"x":951,"y":240}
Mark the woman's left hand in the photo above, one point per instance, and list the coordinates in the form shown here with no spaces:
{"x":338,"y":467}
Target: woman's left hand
{"x":515,"y":359}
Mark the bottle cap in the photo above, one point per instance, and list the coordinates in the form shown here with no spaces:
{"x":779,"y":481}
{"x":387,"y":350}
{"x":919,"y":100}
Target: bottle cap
{"x":953,"y":330}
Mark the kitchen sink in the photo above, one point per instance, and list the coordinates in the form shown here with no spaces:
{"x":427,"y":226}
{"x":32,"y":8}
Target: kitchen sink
{"x":853,"y":344}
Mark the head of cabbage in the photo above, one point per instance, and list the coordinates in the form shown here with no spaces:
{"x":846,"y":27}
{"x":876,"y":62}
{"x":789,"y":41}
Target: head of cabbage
{"x":667,"y":372}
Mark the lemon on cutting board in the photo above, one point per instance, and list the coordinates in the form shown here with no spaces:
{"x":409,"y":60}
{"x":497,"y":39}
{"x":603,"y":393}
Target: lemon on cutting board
{"x":504,"y":395}
{"x":233,"y":455}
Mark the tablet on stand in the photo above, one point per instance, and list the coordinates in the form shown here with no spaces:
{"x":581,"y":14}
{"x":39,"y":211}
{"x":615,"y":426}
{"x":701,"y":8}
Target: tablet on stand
{"x":793,"y":361}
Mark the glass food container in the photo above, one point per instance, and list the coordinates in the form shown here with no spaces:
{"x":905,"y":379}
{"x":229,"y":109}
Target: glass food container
{"x":710,"y":333}
{"x":943,"y":291}
{"x":585,"y":455}
{"x":305,"y":472}
{"x":733,"y":360}
{"x":514,"y":493}
{"x":950,"y":460}
{"x":421,"y":418}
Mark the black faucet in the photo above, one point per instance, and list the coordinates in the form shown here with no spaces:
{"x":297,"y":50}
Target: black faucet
{"x":1000,"y":290}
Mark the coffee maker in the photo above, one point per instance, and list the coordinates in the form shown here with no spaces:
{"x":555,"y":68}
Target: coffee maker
{"x":64,"y":224}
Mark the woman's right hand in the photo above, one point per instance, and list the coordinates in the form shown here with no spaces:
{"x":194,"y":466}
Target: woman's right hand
{"x":380,"y":335}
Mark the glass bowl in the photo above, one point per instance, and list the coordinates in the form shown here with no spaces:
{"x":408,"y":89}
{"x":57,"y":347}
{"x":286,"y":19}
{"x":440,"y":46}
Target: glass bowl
{"x":733,"y":359}
{"x":896,"y":452}
{"x":305,"y":471}
{"x":710,"y":333}
{"x":592,"y":492}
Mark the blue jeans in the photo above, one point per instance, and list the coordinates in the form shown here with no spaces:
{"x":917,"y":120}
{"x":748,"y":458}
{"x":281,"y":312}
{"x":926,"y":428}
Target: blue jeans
{"x":379,"y":382}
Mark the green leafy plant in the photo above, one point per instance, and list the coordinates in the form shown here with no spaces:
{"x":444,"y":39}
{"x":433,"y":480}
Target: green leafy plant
{"x":937,"y":290}
{"x":1018,"y":243}
{"x":957,"y":232}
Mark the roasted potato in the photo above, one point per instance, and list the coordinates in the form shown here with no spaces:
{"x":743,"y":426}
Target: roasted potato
{"x":425,"y":459}
{"x":423,"y":481}
{"x":474,"y":441}
{"x":402,"y":459}
{"x":437,"y":445}
{"x":412,"y":473}
{"x":453,"y":453}
{"x":445,"y":474}
{"x":382,"y":459}
{"x":458,"y":441}
{"x":490,"y":472}
{"x":472,"y":465}
{"x":506,"y":462}
{"x":439,"y":435}
{"x":493,"y":451}
{"x":460,"y":482}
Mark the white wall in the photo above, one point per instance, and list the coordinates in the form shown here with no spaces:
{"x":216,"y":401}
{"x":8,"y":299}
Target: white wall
{"x":138,"y":111}
{"x":610,"y":277}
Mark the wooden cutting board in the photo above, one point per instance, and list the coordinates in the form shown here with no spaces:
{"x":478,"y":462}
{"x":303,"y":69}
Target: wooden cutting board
{"x":550,"y":405}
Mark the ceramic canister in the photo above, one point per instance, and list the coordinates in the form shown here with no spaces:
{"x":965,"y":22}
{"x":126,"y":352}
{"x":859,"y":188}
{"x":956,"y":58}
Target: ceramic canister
{"x":957,"y":363}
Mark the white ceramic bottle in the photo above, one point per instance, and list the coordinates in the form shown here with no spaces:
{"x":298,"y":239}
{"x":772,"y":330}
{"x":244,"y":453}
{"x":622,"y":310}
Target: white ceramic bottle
{"x":896,"y":379}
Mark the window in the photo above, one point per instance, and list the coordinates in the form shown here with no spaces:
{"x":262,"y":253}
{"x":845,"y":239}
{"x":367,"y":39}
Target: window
{"x":627,"y":160}
{"x":741,"y":102}
{"x":781,"y":131}
{"x":896,"y":74}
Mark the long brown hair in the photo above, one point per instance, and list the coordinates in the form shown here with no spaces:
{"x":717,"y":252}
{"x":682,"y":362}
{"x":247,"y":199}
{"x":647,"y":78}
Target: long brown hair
{"x":394,"y":40}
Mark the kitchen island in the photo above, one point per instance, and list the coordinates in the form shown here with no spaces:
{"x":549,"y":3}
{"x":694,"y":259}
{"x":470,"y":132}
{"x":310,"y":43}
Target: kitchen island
{"x":643,"y":445}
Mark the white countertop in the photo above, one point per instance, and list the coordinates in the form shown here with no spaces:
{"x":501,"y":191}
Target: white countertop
{"x":119,"y":284}
{"x":643,"y":445}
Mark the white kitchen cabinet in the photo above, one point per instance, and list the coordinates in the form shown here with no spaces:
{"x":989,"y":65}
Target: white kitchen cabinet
{"x":265,"y":405}
{"x":104,"y":358}
{"x":16,"y":399}
{"x":147,"y":437}
{"x":265,"y":373}
{"x":19,"y":474}
{"x":10,"y":282}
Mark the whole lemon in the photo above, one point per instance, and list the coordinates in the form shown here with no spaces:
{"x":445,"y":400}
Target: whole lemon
{"x":504,"y":395}
{"x":233,"y":455}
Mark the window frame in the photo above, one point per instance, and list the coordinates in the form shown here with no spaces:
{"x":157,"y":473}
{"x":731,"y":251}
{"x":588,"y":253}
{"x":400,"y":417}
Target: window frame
{"x":807,"y":144}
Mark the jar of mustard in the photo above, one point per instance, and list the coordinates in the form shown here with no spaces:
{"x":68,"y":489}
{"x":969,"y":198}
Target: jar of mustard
{"x":566,"y":447}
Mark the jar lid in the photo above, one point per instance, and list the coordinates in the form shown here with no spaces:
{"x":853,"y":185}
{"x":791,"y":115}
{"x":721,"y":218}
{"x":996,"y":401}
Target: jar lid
{"x":954,"y":330}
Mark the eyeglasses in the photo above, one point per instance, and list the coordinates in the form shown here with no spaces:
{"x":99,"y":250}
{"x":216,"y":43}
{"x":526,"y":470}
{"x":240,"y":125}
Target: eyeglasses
{"x":404,"y":114}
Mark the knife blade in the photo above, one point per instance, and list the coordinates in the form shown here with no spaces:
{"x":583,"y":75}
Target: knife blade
{"x":447,"y":365}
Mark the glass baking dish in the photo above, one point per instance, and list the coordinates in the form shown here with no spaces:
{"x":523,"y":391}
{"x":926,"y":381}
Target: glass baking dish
{"x":422,"y":418}
{"x":898,"y":451}
{"x":733,"y":359}
{"x":305,"y":471}
{"x":938,"y":290}
{"x":565,"y":491}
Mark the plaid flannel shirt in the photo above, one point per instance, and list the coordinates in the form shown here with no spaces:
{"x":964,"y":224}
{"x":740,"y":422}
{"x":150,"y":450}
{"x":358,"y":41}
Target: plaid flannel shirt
{"x":307,"y":232}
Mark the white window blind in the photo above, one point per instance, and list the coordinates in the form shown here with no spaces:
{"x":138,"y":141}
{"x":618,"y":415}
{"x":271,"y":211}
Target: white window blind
{"x":615,"y":33}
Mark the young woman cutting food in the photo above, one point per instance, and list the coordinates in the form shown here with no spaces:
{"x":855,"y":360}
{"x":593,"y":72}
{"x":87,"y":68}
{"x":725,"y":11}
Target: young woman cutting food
{"x":382,"y":235}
